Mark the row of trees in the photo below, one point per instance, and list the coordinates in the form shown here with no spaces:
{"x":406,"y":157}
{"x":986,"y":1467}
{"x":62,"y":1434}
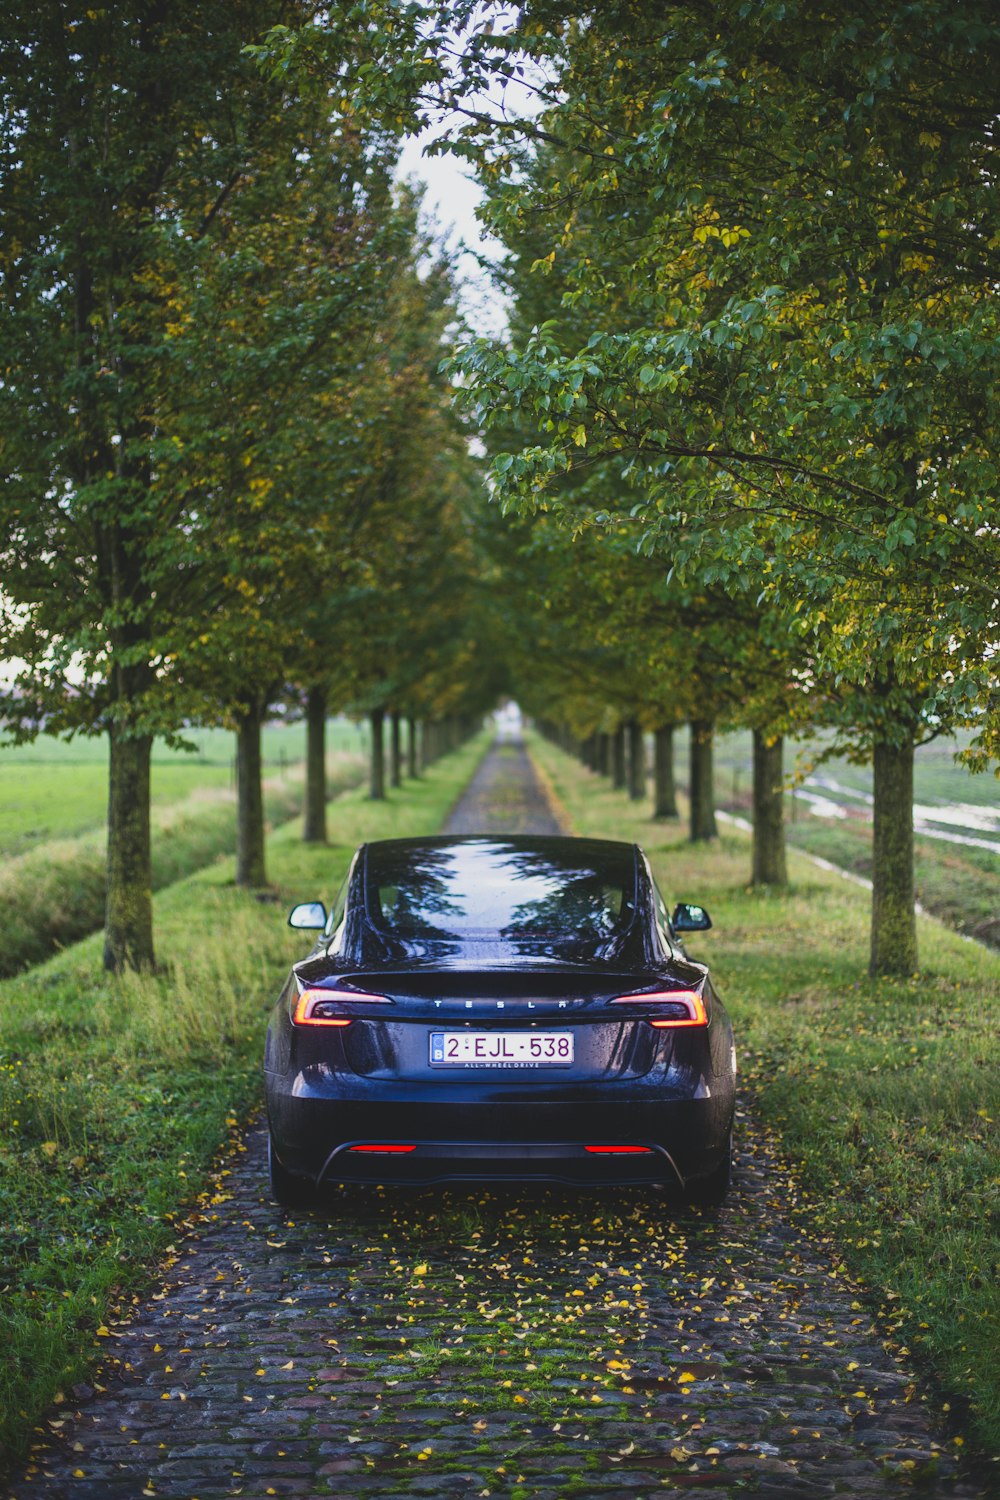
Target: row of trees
{"x":744,"y":428}
{"x":604,"y":651}
{"x":753,"y":255}
{"x":752,"y":251}
{"x":232,"y":472}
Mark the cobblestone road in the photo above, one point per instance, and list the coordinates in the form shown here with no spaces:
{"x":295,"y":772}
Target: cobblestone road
{"x":515,"y":1344}
{"x":504,"y":796}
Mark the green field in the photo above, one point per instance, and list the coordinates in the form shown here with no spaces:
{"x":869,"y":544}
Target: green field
{"x":55,"y":789}
{"x":52,"y":884}
{"x":937,"y":776}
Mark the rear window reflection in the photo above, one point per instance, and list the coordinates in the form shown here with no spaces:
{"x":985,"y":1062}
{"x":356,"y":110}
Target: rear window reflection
{"x":492,"y":889}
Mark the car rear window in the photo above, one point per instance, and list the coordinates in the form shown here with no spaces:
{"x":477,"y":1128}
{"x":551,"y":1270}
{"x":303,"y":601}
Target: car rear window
{"x":493,"y":889}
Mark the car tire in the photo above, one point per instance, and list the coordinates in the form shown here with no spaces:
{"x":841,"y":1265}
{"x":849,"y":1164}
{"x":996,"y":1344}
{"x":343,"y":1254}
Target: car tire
{"x":286,"y":1190}
{"x":710,"y":1191}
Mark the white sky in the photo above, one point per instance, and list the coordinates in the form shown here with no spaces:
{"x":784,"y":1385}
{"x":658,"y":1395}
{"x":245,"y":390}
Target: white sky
{"x":450,"y":202}
{"x":452,"y":193}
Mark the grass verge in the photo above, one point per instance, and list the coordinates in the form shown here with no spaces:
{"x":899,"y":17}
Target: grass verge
{"x":54,"y":895}
{"x":885,"y":1092}
{"x":116,"y":1095}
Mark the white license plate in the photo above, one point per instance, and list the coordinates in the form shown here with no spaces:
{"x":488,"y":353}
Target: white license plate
{"x":501,"y":1049}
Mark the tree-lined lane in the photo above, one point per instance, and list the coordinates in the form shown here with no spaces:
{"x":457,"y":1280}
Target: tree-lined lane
{"x":506,"y":1342}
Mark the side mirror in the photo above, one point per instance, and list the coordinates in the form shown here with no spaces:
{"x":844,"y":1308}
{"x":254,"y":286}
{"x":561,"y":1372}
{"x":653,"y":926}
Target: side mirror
{"x":688,"y":918}
{"x":309,"y":914}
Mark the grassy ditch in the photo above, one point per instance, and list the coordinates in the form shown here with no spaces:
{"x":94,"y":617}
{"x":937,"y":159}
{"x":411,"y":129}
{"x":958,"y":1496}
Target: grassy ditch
{"x":116,"y":1095}
{"x":958,"y":884}
{"x":54,"y":894}
{"x":886,"y":1093}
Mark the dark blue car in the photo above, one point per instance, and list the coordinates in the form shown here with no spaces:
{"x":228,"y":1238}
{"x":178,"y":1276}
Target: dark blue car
{"x":499,"y":1008}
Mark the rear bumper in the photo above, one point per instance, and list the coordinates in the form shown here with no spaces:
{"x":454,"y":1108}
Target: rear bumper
{"x":500,"y":1161}
{"x":316,"y":1138}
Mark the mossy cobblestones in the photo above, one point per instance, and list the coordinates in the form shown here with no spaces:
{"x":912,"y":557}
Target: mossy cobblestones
{"x":509,"y":1343}
{"x":504,"y":1342}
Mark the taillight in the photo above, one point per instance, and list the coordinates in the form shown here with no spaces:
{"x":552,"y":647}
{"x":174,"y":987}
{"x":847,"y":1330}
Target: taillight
{"x":673,"y":1007}
{"x":316,"y":1007}
{"x":619,"y":1150}
{"x":381,"y":1148}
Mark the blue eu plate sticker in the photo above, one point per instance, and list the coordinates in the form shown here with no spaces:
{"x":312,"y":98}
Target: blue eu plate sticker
{"x":437,"y":1046}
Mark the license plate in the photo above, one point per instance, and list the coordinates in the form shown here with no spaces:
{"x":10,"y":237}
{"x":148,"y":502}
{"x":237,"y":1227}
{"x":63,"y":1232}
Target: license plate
{"x":501,"y":1049}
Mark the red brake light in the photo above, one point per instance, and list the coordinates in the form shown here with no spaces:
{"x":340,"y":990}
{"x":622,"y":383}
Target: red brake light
{"x":380,"y":1146}
{"x":673,"y":1007}
{"x":619,"y":1150}
{"x":324,"y":1007}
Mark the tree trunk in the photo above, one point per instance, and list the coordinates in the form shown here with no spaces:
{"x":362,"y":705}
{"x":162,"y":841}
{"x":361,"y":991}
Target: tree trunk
{"x":249,"y":801}
{"x":702,"y":789}
{"x":128,"y":921}
{"x":636,"y":761}
{"x":769,"y":864}
{"x":618,"y":773}
{"x":395,"y":750}
{"x":894,"y":922}
{"x":314,"y":831}
{"x":412,"y":760}
{"x":376,"y":789}
{"x":604,"y":754}
{"x":665,"y":792}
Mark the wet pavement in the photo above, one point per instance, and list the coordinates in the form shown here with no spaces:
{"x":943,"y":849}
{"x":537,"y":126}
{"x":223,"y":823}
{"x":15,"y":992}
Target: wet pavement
{"x":505,"y":796}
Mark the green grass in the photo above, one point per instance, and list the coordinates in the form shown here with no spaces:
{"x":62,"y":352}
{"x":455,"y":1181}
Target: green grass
{"x":885,"y":1093}
{"x":57,"y":789}
{"x":54,"y":894}
{"x":116,"y":1095}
